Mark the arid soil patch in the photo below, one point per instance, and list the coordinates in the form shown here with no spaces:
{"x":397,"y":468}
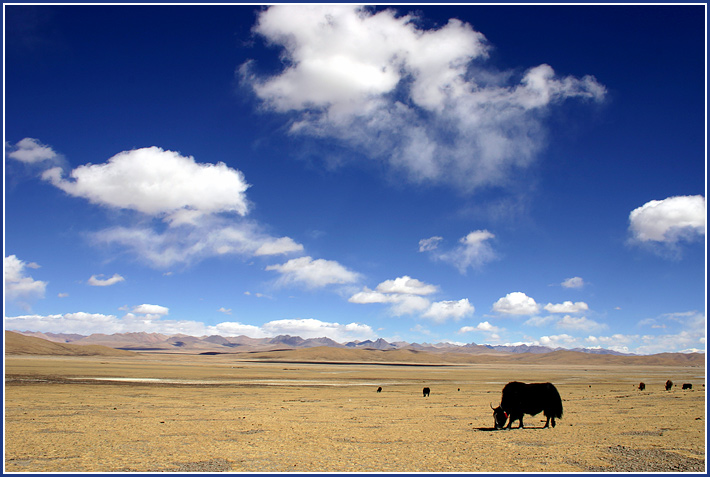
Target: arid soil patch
{"x":215,"y":413}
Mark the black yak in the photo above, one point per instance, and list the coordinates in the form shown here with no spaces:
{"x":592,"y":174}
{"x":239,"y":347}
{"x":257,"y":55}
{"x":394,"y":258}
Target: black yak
{"x":642,"y":386}
{"x":519,"y":399}
{"x":687,"y":386}
{"x":379,"y":390}
{"x":669,"y":385}
{"x":425,"y":391}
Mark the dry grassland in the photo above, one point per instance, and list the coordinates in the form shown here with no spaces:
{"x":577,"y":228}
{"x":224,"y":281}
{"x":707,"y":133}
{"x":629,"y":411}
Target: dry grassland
{"x":216,"y":413}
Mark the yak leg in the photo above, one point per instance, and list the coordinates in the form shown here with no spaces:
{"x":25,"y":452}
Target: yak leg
{"x":510,"y":421}
{"x":521,"y":423}
{"x":547,"y":424}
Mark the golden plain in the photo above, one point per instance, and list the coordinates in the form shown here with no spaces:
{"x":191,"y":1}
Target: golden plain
{"x":224,"y":413}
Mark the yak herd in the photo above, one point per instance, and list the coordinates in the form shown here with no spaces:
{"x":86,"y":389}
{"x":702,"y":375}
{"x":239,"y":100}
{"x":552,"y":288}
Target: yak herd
{"x":518,"y":399}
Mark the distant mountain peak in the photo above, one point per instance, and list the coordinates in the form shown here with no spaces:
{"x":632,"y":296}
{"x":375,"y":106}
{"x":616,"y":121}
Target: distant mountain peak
{"x":217,"y":343}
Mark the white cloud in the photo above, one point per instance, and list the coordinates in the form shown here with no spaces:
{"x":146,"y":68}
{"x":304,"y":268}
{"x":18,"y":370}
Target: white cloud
{"x":574,"y":282}
{"x":401,"y":303}
{"x":18,"y":285}
{"x":151,"y":309}
{"x":31,"y":151}
{"x":668,"y":221}
{"x":314,"y":273}
{"x":616,"y":342}
{"x":408,"y":304}
{"x":226,"y":311}
{"x":202,"y":203}
{"x":558,"y":341}
{"x":580,"y":323}
{"x":474,"y":250}
{"x":432,"y":243}
{"x":158,"y":183}
{"x":258,"y":295}
{"x":208,"y":237}
{"x":404,"y":295}
{"x":310,"y":328}
{"x":369,"y":296}
{"x":408,"y":96}
{"x":406,"y":285}
{"x":278,"y":246}
{"x":516,"y":303}
{"x":95,"y":281}
{"x":567,"y":307}
{"x":441,"y":311}
{"x":89,"y":323}
{"x":483,"y":326}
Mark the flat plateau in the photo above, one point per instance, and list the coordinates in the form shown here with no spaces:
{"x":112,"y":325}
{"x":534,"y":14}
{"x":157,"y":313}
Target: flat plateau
{"x":223,"y":413}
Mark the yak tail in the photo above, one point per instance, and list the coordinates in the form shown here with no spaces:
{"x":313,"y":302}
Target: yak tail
{"x":555,"y":402}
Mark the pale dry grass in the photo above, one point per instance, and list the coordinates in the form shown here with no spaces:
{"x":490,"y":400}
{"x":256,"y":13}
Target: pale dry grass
{"x":273,"y":417}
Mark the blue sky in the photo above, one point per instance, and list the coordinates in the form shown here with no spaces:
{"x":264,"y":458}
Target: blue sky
{"x":488,"y":174}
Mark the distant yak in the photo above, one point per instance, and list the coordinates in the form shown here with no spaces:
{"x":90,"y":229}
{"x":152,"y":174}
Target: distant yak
{"x":519,"y":399}
{"x":687,"y":386}
{"x":642,"y":386}
{"x":379,"y":390}
{"x":669,"y":385}
{"x":426,"y":392}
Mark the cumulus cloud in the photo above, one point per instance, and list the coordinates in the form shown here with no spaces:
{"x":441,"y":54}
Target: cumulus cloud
{"x":473,"y":250}
{"x":558,"y":341}
{"x":491,"y":331}
{"x":147,"y":309}
{"x":19,"y":286}
{"x":406,"y":285}
{"x":201,"y":206}
{"x":310,"y":328}
{"x":314,"y":273}
{"x":516,"y":303}
{"x":483,"y":326}
{"x":567,"y":307}
{"x":580,"y":323}
{"x":668,"y":221}
{"x":157,"y":182}
{"x":443,"y":310}
{"x":96,"y":281}
{"x":408,"y":304}
{"x":574,"y":282}
{"x":31,"y":151}
{"x":88,"y":323}
{"x":278,"y":247}
{"x":423,"y":101}
{"x":406,"y":296}
{"x":226,"y":311}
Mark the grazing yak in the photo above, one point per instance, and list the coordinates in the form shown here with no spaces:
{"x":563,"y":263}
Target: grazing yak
{"x":642,"y":386}
{"x":426,"y":392}
{"x":519,"y":398}
{"x":687,"y":386}
{"x":669,"y":385}
{"x":379,"y":390}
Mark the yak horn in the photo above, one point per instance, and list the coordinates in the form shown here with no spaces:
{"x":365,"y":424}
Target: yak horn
{"x":492,"y":406}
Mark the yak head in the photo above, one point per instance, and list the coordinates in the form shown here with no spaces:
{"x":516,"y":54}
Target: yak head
{"x":499,"y":417}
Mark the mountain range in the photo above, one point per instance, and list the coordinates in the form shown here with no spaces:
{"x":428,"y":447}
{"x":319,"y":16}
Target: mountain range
{"x":142,"y":341}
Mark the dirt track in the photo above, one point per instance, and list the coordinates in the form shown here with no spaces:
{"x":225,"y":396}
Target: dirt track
{"x":212,"y":413}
